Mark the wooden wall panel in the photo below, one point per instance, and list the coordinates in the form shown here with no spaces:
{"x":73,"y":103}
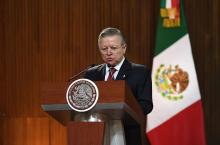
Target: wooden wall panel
{"x":203,"y":23}
{"x":10,"y":126}
{"x":25,"y":131}
{"x":37,"y":131}
{"x":213,"y":134}
{"x":51,"y":40}
{"x":2,"y":62}
{"x":21,"y":58}
{"x":32,"y":131}
{"x":58,"y":133}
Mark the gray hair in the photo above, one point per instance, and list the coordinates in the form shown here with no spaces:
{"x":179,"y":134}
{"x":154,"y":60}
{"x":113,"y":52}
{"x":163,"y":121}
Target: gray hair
{"x":111,"y":32}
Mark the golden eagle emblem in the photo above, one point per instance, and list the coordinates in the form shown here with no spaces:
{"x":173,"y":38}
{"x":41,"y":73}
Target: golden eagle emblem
{"x":171,"y":81}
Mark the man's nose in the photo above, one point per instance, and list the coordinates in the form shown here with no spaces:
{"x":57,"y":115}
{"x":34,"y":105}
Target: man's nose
{"x":109,"y":51}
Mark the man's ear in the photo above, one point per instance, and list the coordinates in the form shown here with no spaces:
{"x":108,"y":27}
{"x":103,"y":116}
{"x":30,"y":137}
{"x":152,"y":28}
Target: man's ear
{"x":124,"y":46}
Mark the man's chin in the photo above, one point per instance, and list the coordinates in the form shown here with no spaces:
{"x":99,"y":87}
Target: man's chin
{"x":111,"y":64}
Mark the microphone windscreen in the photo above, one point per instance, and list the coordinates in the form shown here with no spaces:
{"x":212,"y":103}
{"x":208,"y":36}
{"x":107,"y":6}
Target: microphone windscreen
{"x":92,"y":65}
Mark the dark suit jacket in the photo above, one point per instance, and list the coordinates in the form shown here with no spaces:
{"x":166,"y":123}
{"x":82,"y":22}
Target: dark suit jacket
{"x":138,"y":78}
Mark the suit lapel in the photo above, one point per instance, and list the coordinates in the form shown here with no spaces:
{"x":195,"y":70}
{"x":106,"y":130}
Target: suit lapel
{"x":124,"y":70}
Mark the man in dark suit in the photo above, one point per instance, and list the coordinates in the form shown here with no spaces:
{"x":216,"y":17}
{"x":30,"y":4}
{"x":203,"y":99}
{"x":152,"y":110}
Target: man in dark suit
{"x":112,"y":47}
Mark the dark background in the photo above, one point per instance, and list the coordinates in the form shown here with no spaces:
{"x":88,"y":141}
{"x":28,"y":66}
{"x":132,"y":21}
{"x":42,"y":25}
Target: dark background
{"x":51,"y":40}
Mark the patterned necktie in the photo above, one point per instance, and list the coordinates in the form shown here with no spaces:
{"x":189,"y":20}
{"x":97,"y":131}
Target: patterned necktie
{"x":112,"y":70}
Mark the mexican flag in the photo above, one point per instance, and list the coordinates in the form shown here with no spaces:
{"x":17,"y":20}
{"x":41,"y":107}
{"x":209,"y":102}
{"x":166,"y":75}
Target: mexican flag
{"x":177,"y":116}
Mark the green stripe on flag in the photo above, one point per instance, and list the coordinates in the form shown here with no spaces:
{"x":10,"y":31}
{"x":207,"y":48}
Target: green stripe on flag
{"x":167,"y":36}
{"x":163,"y":4}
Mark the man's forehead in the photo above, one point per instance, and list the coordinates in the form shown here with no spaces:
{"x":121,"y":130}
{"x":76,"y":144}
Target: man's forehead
{"x":113,"y":39}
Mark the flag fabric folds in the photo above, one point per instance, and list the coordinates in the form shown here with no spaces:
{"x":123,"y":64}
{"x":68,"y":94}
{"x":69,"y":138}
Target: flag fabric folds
{"x":177,"y":116}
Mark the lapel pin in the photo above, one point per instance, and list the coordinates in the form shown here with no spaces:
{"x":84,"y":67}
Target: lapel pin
{"x":124,"y":76}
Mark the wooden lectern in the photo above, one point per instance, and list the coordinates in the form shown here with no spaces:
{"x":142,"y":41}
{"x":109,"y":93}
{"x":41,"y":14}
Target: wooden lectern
{"x":115,"y":102}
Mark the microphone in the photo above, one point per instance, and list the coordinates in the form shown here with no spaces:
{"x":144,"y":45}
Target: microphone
{"x":81,"y":72}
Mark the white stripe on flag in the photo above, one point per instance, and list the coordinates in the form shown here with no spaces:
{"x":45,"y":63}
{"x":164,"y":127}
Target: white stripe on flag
{"x":168,"y":4}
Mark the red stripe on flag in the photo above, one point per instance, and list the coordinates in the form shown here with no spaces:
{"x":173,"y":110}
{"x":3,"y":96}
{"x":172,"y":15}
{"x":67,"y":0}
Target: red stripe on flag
{"x":185,"y":128}
{"x":176,"y":4}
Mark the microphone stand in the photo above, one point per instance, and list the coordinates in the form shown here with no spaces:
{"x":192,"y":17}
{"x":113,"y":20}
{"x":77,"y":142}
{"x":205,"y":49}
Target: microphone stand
{"x":91,"y":66}
{"x":78,"y":74}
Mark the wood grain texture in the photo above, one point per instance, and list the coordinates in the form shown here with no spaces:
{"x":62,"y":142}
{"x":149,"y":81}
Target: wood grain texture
{"x":25,"y":131}
{"x":86,"y":133}
{"x":51,"y":40}
{"x":58,"y":133}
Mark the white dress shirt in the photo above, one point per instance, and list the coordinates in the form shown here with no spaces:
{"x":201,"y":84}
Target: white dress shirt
{"x":117,"y":67}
